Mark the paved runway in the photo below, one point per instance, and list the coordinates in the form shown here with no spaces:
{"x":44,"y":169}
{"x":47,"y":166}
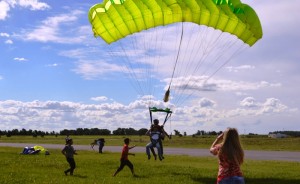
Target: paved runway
{"x":252,"y":155}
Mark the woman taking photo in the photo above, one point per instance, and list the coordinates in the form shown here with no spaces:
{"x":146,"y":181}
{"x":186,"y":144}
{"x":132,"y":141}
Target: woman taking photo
{"x":228,"y":148}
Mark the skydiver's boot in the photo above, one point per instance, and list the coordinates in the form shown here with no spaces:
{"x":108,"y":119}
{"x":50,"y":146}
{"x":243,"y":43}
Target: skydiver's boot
{"x":160,"y":157}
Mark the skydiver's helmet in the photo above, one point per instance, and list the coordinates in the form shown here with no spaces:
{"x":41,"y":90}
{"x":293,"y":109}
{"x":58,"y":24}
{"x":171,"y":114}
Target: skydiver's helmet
{"x":156,"y":122}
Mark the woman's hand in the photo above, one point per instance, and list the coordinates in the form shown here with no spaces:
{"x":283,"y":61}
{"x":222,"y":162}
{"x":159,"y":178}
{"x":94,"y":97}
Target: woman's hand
{"x":220,"y":137}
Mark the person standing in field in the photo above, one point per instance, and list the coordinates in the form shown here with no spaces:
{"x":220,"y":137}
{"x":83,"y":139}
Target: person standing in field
{"x":101,"y":144}
{"x":228,"y":148}
{"x":69,"y":152}
{"x":124,"y":157}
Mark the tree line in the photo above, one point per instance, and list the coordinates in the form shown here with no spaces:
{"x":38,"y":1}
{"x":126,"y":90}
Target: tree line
{"x":290,"y":133}
{"x":78,"y":131}
{"x":119,"y":131}
{"x":92,"y":131}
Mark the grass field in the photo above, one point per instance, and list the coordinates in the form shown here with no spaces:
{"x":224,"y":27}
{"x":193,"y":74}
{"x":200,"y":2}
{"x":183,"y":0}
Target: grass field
{"x":93,"y":167}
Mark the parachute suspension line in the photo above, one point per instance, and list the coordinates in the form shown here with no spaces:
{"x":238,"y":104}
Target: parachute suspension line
{"x":166,"y":98}
{"x":237,"y":51}
{"x":170,"y":127}
{"x":136,"y":70}
{"x":130,"y":68}
{"x":200,"y":51}
{"x":149,"y":39}
{"x":205,"y":48}
{"x":145,"y":70}
{"x":177,"y":56}
{"x":128,"y":71}
{"x":155,"y":59}
{"x":161,"y":45}
{"x":157,"y":39}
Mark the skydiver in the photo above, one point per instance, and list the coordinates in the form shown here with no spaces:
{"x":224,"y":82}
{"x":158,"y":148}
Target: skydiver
{"x":156,"y":133}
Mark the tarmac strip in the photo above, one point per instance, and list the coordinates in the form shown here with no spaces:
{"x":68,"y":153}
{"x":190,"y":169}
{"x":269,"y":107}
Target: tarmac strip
{"x":249,"y":154}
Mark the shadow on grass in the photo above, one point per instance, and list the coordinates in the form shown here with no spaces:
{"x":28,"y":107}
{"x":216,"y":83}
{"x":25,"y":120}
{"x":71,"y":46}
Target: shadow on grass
{"x":198,"y":179}
{"x":270,"y":181}
{"x":139,"y":176}
{"x":206,"y":180}
{"x":78,"y":176}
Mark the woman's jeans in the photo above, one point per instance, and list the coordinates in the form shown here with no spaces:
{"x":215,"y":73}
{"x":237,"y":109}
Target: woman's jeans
{"x":233,"y":180}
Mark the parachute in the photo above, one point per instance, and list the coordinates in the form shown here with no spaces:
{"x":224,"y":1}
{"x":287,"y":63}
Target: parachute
{"x":115,"y":19}
{"x":176,"y":45}
{"x":34,"y":150}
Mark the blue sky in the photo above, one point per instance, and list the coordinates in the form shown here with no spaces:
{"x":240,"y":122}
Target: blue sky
{"x":55,"y":75}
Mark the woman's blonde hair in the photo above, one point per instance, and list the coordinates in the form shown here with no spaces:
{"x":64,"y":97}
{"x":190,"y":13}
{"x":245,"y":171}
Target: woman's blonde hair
{"x":231,"y":146}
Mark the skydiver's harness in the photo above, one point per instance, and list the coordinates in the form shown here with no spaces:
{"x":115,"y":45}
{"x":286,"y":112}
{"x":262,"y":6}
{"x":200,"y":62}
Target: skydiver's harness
{"x":155,"y":136}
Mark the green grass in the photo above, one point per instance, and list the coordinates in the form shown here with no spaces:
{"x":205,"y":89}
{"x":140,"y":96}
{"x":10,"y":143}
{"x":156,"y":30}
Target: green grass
{"x":249,"y":142}
{"x":98,"y":168}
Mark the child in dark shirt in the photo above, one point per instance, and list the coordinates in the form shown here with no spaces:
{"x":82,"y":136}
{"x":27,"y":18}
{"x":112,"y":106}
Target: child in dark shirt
{"x":69,"y":152}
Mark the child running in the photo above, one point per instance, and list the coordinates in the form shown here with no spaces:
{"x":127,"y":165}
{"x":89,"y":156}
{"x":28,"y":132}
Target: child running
{"x":124,"y":157}
{"x":69,"y":152}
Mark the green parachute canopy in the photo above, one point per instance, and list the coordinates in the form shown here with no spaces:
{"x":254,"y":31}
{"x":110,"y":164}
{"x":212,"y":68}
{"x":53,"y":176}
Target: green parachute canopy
{"x":115,"y":19}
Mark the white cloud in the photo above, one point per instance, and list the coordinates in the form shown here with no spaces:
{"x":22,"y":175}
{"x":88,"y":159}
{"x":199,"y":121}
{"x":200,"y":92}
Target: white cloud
{"x":204,"y":102}
{"x":248,"y":102}
{"x":6,"y":5}
{"x":4,"y":9}
{"x":9,"y":42}
{"x":241,"y":68}
{"x":33,"y":4}
{"x":4,"y":35}
{"x":202,"y":83}
{"x":20,"y":59}
{"x":52,"y":65}
{"x":56,"y":115}
{"x":99,"y":98}
{"x":272,"y":105}
{"x":51,"y":29}
{"x":95,"y":69}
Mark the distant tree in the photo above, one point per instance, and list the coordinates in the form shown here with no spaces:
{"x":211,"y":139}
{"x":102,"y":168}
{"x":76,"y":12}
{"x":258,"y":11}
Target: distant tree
{"x":119,"y":131}
{"x":8,"y":134}
{"x":131,"y":131}
{"x":104,"y":132}
{"x":177,"y":133}
{"x":142,"y":131}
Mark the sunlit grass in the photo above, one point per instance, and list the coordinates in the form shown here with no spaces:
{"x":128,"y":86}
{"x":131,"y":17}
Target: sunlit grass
{"x":93,"y":167}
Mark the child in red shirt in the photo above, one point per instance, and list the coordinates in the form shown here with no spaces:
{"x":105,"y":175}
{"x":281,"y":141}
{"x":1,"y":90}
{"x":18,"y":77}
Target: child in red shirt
{"x":124,"y":157}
